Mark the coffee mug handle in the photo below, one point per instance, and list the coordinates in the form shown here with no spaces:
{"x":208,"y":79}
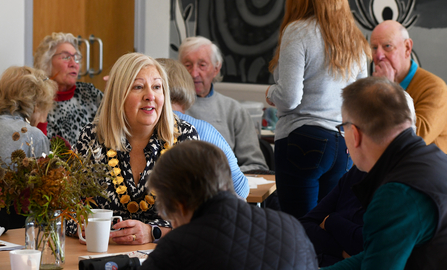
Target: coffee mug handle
{"x":118,"y":217}
{"x":80,"y":232}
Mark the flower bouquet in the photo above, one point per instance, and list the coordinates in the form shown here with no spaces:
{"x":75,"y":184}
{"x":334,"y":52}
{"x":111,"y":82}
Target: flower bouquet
{"x":49,"y":189}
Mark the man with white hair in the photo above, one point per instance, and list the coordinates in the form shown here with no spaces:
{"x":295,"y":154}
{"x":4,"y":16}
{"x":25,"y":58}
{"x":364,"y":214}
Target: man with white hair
{"x":203,"y":61}
{"x":391,"y":48}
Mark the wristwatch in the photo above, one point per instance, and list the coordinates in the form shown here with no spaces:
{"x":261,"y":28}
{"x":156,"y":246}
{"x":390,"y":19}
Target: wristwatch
{"x":156,"y":233}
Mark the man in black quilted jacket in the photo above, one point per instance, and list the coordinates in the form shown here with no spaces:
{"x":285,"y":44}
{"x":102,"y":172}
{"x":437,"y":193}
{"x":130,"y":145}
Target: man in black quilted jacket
{"x":213,"y":229}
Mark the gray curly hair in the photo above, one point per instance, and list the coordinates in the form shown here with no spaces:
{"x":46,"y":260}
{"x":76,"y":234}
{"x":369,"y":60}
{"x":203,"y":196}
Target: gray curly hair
{"x":47,"y":48}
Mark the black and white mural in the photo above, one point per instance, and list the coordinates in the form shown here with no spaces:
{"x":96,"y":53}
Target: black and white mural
{"x":247,"y":30}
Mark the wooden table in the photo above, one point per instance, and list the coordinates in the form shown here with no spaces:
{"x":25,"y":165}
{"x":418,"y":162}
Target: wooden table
{"x":259,"y":194}
{"x":73,"y":249}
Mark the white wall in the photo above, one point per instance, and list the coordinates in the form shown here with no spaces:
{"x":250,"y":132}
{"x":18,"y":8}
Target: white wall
{"x":12,"y":33}
{"x":156,"y":21}
{"x":152,"y":38}
{"x":243,"y":92}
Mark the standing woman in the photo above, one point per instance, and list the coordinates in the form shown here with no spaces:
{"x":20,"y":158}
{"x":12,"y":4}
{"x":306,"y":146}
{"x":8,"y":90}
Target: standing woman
{"x":134,"y":126}
{"x":76,"y":102}
{"x":320,"y":51}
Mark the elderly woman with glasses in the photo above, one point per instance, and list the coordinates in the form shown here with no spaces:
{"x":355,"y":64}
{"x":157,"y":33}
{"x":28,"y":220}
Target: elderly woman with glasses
{"x":76,"y":102}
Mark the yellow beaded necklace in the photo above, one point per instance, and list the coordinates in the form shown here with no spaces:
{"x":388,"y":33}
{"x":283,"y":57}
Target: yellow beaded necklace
{"x":121,"y":188}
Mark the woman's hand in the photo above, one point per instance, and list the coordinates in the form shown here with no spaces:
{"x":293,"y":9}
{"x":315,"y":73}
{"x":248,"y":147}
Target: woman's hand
{"x":133,"y":232}
{"x":323,"y":223}
{"x":267,"y":99}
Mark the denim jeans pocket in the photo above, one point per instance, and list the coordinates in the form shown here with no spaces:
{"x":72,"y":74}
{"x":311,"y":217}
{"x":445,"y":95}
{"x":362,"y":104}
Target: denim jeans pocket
{"x":305,"y":151}
{"x":349,"y":163}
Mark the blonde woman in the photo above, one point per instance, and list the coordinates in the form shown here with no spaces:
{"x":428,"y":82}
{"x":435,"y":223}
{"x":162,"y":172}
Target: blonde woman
{"x":320,"y":51}
{"x":134,"y":126}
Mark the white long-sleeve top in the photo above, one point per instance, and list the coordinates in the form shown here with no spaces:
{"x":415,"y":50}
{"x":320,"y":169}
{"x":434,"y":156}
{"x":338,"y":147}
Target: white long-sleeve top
{"x":305,"y":93}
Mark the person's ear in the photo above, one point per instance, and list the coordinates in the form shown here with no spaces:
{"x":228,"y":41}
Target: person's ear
{"x":181,"y":209}
{"x":408,"y":43}
{"x":217,"y":69}
{"x":357,"y":135}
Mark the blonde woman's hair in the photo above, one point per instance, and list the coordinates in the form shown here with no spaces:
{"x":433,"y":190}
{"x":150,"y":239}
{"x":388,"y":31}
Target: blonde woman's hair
{"x":181,"y":84}
{"x":344,"y":43}
{"x":47,"y":48}
{"x":192,"y":44}
{"x":112,"y":124}
{"x":22,"y":89}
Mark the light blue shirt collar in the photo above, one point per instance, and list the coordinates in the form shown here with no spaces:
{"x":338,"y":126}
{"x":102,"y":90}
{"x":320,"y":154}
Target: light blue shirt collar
{"x":410,"y":75}
{"x":211,"y":91}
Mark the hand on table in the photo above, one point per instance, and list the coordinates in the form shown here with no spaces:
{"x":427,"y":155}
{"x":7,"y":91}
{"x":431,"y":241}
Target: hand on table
{"x":133,"y":232}
{"x":384,"y":69}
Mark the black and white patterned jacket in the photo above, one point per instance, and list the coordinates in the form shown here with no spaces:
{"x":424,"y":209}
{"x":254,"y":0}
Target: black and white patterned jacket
{"x":88,"y":139}
{"x":69,"y":117}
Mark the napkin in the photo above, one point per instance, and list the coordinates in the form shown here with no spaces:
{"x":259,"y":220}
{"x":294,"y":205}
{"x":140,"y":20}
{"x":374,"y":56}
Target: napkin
{"x":253,"y":182}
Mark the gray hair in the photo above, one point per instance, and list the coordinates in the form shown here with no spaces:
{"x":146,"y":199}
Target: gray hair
{"x":404,"y":32}
{"x":190,"y":173}
{"x":47,"y":48}
{"x":192,"y":44}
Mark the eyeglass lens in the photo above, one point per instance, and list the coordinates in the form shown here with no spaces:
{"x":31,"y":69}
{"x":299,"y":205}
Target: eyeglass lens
{"x":67,"y":57}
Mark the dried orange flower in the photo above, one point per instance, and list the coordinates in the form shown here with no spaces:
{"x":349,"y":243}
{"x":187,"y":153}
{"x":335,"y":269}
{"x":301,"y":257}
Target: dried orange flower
{"x":125,"y":199}
{"x":25,"y":162}
{"x":15,"y":136}
{"x":133,"y":207}
{"x":18,"y":154}
{"x":144,"y":206}
{"x":149,"y":199}
{"x":24,"y":130}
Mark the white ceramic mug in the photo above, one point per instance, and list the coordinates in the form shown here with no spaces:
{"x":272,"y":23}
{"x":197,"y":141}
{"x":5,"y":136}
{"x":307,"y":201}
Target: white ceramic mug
{"x":102,"y":213}
{"x":25,"y":259}
{"x":97,"y":233}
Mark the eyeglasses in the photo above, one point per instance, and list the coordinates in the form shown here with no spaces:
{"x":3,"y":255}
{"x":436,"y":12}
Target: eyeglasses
{"x":65,"y":56}
{"x":341,"y":129}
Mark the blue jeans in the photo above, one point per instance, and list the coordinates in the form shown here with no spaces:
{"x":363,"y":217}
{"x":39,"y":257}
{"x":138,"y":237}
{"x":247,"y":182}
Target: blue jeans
{"x":309,"y":163}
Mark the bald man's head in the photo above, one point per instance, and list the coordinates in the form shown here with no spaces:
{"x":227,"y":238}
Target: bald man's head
{"x":390,"y":42}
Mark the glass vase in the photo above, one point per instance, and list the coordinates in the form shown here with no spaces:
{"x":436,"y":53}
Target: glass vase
{"x":49,"y":238}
